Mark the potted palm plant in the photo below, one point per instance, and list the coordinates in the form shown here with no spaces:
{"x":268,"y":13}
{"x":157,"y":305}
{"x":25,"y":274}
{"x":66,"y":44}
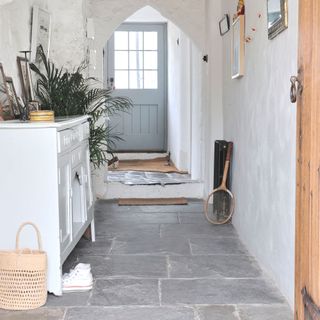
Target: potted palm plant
{"x":71,"y":93}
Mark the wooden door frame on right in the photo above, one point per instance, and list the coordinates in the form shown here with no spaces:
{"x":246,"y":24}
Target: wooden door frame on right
{"x":307,"y":271}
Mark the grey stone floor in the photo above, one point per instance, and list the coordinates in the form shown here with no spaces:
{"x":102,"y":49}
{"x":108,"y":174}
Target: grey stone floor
{"x":164,"y":263}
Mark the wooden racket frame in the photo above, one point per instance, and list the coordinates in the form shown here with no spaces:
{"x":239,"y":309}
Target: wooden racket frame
{"x":222,"y":187}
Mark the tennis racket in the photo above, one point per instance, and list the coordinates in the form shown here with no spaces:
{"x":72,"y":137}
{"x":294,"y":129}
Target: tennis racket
{"x":221,"y":198}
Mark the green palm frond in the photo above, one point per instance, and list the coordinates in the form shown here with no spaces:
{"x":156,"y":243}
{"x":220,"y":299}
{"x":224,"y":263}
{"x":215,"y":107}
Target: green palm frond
{"x":70,"y":93}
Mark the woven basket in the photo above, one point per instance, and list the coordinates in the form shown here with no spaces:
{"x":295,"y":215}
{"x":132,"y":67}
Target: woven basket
{"x":23,"y":276}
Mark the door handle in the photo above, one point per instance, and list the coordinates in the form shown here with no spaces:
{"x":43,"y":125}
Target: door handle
{"x":79,"y":178}
{"x":110,"y":83}
{"x":296,"y":89}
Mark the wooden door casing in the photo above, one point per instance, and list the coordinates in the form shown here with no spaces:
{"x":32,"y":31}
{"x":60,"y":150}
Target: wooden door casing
{"x":308,"y":158}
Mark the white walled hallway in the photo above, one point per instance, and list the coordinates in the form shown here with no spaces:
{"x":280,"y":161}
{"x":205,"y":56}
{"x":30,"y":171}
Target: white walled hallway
{"x":259,"y":119}
{"x":187,"y":73}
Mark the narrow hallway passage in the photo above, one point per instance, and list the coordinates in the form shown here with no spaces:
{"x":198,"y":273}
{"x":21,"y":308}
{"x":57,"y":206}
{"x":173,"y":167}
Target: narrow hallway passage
{"x":164,"y":263}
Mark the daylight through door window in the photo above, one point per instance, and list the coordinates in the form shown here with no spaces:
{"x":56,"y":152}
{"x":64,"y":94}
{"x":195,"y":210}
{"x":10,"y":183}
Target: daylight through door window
{"x":136,"y":59}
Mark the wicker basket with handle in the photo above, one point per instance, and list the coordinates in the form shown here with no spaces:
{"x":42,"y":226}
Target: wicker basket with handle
{"x":23,"y":276}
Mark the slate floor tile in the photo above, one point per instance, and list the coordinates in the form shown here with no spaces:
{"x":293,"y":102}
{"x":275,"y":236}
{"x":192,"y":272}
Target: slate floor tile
{"x":219,"y":291}
{"x":217,"y":313}
{"x":223,"y":246}
{"x":141,"y":218}
{"x":125,"y":292}
{"x":199,"y":230}
{"x":212,"y":276}
{"x":190,"y":207}
{"x":100,"y":247}
{"x":217,"y":266}
{"x":194,"y":218}
{"x":151,"y":245}
{"x":38,"y":314}
{"x":272,"y":312}
{"x":127,"y":230}
{"x":71,"y":299}
{"x":130,"y":313}
{"x":139,"y":266}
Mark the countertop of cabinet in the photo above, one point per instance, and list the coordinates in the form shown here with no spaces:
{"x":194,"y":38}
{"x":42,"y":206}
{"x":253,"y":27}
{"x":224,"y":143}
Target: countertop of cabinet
{"x":59,"y":123}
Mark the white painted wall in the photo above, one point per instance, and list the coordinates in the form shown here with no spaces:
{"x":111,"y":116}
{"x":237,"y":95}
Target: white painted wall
{"x":109,"y":14}
{"x":261,"y":121}
{"x":179,"y":104}
{"x":212,"y":114}
{"x":15,"y":19}
{"x":147,"y":14}
{"x":185,"y":108}
{"x":68,"y":45}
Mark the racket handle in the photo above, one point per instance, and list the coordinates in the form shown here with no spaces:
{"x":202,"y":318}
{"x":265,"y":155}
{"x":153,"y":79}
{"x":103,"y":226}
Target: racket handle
{"x":229,"y":152}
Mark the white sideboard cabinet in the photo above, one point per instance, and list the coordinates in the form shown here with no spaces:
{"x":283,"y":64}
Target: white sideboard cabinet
{"x":45,"y":178}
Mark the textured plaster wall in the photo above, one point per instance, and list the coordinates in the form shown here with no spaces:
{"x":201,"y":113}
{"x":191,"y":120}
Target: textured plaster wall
{"x":212,"y":124}
{"x":68,"y":44}
{"x":179,"y":104}
{"x":185,"y":108}
{"x":109,"y":14}
{"x":68,"y":39}
{"x":261,"y":121}
{"x":15,"y":20}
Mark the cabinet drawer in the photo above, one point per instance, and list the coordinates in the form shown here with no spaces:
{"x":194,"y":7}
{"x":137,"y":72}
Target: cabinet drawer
{"x":71,"y":137}
{"x":76,"y":157}
{"x":64,"y":140}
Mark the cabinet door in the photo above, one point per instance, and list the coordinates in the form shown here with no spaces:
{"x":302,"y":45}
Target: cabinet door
{"x":64,"y":170}
{"x":88,"y":183}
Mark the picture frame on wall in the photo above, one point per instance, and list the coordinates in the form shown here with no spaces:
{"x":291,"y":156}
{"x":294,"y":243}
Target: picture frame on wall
{"x":40,"y":33}
{"x":277,"y":17}
{"x":25,"y":79}
{"x":6,"y":112}
{"x":238,"y":48}
{"x":13,"y":97}
{"x":224,"y":25}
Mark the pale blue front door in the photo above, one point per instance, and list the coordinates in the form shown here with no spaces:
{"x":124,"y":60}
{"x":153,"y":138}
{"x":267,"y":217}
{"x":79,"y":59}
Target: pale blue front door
{"x":137,"y":69}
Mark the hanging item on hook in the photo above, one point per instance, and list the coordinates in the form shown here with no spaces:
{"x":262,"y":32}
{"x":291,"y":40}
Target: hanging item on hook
{"x":240,"y":10}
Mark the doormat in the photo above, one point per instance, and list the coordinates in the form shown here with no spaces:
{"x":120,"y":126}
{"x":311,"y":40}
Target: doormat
{"x":152,"y":202}
{"x":150,"y":165}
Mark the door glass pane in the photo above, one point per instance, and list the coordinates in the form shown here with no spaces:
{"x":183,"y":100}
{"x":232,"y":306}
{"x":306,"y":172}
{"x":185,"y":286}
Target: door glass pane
{"x":136,"y":40}
{"x":121,"y":79}
{"x":150,"y":40}
{"x":121,"y":40}
{"x":135,"y":60}
{"x":136,"y":79}
{"x":150,"y":79}
{"x":121,"y":59}
{"x":150,"y":60}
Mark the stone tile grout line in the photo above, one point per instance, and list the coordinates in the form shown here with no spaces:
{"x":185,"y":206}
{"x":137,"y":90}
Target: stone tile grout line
{"x":190,"y":247}
{"x":160,"y":292}
{"x":237,"y":313}
{"x":64,"y":317}
{"x":168,"y":266}
{"x":111,"y":246}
